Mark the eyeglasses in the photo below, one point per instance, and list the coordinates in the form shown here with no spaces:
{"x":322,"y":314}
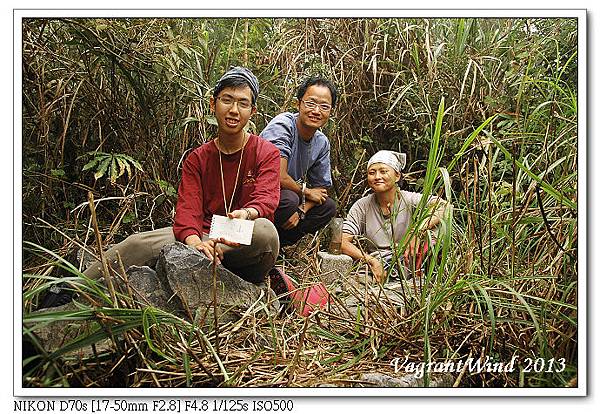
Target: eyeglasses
{"x":229,"y":101}
{"x":312,"y":105}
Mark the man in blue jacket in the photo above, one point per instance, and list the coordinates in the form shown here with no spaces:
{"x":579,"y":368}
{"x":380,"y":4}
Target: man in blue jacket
{"x":305,"y":169}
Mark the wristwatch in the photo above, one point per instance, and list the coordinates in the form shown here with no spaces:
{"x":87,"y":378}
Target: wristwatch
{"x":301,"y":213}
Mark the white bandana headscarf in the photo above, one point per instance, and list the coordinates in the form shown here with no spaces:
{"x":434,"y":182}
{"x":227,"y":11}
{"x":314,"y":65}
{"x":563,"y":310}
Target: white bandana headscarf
{"x":396,"y":160}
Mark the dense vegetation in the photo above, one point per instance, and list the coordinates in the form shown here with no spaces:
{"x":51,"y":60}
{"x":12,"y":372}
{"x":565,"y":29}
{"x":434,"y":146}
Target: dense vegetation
{"x":486,"y":110}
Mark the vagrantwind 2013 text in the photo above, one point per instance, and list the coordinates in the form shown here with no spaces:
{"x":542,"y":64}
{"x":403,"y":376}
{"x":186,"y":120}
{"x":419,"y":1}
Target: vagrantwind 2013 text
{"x":478,"y":366}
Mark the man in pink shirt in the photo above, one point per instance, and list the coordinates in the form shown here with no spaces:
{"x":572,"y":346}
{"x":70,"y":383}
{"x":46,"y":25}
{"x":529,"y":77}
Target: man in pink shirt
{"x":236,"y":174}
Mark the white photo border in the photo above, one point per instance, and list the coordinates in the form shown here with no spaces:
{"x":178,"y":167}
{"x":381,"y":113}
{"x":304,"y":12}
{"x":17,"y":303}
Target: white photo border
{"x":581,"y":390}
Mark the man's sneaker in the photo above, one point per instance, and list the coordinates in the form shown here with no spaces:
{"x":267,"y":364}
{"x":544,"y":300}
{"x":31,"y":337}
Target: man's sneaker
{"x":56,"y":296}
{"x":280,"y":282}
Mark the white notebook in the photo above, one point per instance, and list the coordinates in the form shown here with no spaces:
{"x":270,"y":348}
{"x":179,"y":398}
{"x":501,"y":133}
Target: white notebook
{"x":235,"y":230}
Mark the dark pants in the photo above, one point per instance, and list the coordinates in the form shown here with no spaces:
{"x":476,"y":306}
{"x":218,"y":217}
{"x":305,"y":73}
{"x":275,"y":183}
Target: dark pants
{"x":316,"y":218}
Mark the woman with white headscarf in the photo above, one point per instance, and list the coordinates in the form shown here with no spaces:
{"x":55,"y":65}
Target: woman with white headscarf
{"x":371,"y":217}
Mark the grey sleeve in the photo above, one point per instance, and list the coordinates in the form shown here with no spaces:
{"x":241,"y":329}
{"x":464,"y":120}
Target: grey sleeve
{"x":355,"y":222}
{"x":413,"y":199}
{"x":320,"y":171}
{"x":279,"y":133}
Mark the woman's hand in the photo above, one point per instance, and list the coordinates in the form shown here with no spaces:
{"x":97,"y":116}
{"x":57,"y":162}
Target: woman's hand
{"x":412,"y":248}
{"x":413,"y":254}
{"x":376,"y":268}
{"x":374,"y":263}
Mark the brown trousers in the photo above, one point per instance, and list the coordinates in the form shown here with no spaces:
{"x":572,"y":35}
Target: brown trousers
{"x":249,"y":262}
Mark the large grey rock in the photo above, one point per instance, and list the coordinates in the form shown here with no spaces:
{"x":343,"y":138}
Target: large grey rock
{"x":183,"y":282}
{"x":335,"y":268}
{"x":86,"y":256}
{"x":58,"y":333}
{"x":190,"y":276}
{"x":148,"y":288}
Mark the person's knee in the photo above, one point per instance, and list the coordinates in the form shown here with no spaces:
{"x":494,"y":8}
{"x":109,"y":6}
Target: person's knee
{"x":135,"y":249}
{"x":126,"y":251}
{"x":253,"y":262}
{"x":324,"y":212}
{"x":265,"y":237}
{"x":288,"y":200}
{"x":134,"y":242}
{"x":329,"y":208}
{"x":288,"y":204}
{"x":319,"y":216}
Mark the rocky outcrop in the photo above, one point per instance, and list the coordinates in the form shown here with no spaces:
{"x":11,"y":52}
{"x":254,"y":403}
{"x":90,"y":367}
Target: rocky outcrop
{"x":182,"y":283}
{"x":189,"y":275}
{"x":58,"y":333}
{"x":147,"y":287}
{"x":335,"y":268}
{"x":380,"y":380}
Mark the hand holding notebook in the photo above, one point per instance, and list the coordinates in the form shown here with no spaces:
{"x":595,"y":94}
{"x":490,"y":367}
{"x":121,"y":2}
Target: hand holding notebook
{"x":234,"y":230}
